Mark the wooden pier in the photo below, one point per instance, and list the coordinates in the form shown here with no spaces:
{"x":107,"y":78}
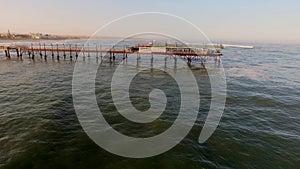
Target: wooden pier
{"x":58,"y":51}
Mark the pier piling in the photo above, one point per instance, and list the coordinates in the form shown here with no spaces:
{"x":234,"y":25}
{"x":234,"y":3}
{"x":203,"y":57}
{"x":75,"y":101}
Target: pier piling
{"x":45,"y":53}
{"x":88,"y":50}
{"x":64,"y":52}
{"x":70,"y":52}
{"x":17,"y":51}
{"x":40,"y":50}
{"x":52,"y":51}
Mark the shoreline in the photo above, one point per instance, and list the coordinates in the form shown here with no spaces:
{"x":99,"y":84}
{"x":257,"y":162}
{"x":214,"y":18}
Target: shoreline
{"x":35,"y":40}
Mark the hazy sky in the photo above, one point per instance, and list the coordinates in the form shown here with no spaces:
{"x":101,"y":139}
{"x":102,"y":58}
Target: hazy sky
{"x":238,"y":20}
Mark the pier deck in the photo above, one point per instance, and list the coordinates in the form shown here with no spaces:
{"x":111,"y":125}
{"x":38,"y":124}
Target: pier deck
{"x":73,"y":50}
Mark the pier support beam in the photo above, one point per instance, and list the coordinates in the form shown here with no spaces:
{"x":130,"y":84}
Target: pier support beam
{"x":110,"y":56}
{"x":21,"y":54}
{"x":52,"y":53}
{"x":151,"y":60}
{"x":6,"y":53}
{"x":17,"y":51}
{"x":101,"y":56}
{"x":45,"y":53}
{"x":32,"y":52}
{"x":64,"y":52}
{"x":138,"y":56}
{"x":76,"y":53}
{"x":71,"y":52}
{"x":97,"y":53}
{"x":40,"y":47}
{"x":57,"y":52}
{"x":189,"y":60}
{"x":88,"y":51}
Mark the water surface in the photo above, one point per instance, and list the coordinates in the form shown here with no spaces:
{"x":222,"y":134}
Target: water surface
{"x":260,"y":127}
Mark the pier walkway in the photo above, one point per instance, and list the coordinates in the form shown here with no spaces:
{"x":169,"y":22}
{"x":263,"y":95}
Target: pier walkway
{"x":71,"y":51}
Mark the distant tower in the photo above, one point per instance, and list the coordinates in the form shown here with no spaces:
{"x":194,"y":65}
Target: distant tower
{"x":9,"y":34}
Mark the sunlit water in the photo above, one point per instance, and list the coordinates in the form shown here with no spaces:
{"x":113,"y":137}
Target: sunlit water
{"x":260,"y":127}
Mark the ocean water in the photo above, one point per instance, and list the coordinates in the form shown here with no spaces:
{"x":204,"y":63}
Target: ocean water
{"x":260,"y":126}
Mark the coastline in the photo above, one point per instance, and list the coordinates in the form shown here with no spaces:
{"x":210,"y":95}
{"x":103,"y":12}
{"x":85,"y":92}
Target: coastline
{"x":34,"y":40}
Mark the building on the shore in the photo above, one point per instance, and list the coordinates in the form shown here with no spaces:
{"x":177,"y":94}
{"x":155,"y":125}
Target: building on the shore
{"x":10,"y":35}
{"x":18,"y":36}
{"x":41,"y":36}
{"x":7,"y":35}
{"x":21,"y":36}
{"x":2,"y":35}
